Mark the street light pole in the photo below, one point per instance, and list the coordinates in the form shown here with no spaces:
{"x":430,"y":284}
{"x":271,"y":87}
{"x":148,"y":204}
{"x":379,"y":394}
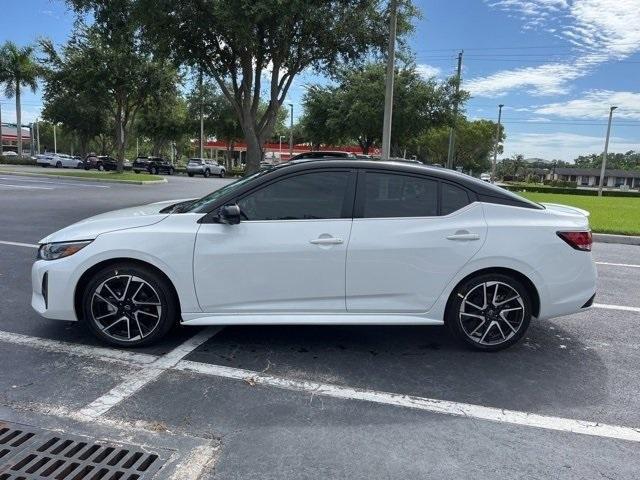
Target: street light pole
{"x":495,"y":145}
{"x":291,"y":132}
{"x":38,"y":134}
{"x":452,"y":131}
{"x":55,"y":140}
{"x":0,"y":128}
{"x":388,"y":94}
{"x":604,"y":154}
{"x":201,"y":118}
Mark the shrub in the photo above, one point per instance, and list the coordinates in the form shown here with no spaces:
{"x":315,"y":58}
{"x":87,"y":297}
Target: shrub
{"x":17,"y":161}
{"x":561,"y":183}
{"x":571,"y":191}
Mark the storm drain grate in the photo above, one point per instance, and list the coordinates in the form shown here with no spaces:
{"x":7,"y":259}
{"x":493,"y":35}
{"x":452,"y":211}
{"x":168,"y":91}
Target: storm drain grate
{"x":40,"y":454}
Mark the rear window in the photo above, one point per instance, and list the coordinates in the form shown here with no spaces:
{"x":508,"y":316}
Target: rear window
{"x":453,"y":198}
{"x":195,"y":161}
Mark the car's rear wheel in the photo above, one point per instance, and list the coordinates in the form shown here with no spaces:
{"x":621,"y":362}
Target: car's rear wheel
{"x":222,"y":173}
{"x":206,"y":173}
{"x":190,"y":174}
{"x":58,"y":164}
{"x":129,"y":305}
{"x":489,"y":312}
{"x":171,"y":171}
{"x":100,"y":167}
{"x":154,"y":170}
{"x":136,"y":171}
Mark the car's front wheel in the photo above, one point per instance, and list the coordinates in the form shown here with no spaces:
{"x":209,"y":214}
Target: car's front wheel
{"x":489,"y":312}
{"x":222,"y":173}
{"x":129,"y":305}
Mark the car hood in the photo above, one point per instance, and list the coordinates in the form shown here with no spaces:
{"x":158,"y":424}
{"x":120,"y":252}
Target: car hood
{"x":132,"y":217}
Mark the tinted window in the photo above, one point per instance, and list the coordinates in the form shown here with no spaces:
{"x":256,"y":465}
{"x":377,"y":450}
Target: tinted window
{"x":194,"y":161}
{"x":306,"y":196}
{"x":391,"y":195}
{"x":453,"y":198}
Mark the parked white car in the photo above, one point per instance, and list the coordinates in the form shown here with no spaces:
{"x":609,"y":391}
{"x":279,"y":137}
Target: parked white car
{"x":205,"y":167}
{"x":485,"y":177}
{"x":323,"y":242}
{"x":58,"y":160}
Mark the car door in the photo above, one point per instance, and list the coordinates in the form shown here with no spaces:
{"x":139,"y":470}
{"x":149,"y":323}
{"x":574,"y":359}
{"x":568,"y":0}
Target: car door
{"x":288,"y":252}
{"x":410,"y":235}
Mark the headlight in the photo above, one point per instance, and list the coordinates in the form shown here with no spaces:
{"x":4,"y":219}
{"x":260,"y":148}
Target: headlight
{"x":54,"y":251}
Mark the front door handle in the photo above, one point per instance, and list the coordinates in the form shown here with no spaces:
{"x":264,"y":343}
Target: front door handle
{"x":327,"y":241}
{"x":463,"y":235}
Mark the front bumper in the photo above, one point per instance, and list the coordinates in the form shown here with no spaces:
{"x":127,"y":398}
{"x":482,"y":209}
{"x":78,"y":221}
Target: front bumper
{"x":53,"y":291}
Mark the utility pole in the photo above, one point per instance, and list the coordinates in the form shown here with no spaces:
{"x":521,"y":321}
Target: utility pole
{"x":452,"y":130}
{"x":137,"y":148}
{"x":495,"y":145}
{"x":291,"y":132}
{"x":38,"y":134}
{"x":604,"y":154}
{"x":0,"y":128}
{"x":388,"y":94}
{"x":201,"y":118}
{"x":55,"y":140}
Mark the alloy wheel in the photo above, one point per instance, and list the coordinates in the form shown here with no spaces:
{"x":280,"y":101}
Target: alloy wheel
{"x":126,"y":308}
{"x":491,"y":313}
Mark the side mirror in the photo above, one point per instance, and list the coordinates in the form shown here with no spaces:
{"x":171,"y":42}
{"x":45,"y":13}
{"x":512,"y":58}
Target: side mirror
{"x":229,"y":214}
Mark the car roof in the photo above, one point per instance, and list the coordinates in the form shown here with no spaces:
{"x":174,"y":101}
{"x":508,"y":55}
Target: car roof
{"x":479,"y":187}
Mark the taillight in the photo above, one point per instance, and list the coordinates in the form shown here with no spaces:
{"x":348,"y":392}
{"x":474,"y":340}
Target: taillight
{"x":578,"y":240}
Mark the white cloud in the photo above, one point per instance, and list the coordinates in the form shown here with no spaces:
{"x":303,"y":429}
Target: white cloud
{"x":599,"y":30}
{"x":428,"y":71}
{"x":563,"y":146}
{"x":595,"y":105}
{"x":550,"y":79}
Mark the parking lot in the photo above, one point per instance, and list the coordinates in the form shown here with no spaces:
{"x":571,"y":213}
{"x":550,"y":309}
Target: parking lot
{"x":323,"y":402}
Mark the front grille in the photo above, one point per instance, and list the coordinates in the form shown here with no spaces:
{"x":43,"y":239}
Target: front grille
{"x":37,"y":454}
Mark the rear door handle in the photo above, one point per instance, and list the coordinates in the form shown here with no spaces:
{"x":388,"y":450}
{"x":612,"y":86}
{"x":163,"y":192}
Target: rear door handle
{"x":463,"y":235}
{"x":327,"y":241}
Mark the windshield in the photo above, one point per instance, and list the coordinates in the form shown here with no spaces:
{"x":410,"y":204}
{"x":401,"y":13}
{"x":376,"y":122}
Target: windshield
{"x":201,"y":204}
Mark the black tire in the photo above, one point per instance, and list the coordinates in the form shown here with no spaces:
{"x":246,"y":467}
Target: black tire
{"x":471,"y":291}
{"x":136,"y":171}
{"x":169,"y":311}
{"x":154,"y":170}
{"x":101,"y":167}
{"x":206,"y":173}
{"x":190,"y":174}
{"x":222,"y":173}
{"x":87,"y":167}
{"x":171,"y":171}
{"x":58,"y":164}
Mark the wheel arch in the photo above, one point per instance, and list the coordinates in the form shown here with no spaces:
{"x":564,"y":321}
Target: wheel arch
{"x":84,"y":280}
{"x":522,"y":278}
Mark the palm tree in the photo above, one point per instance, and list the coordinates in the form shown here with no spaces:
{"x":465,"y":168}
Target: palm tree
{"x":18,"y":68}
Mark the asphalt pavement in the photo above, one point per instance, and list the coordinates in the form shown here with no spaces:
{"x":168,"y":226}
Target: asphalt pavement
{"x":323,"y":402}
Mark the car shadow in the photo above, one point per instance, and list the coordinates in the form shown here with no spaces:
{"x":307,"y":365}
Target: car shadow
{"x":548,"y":371}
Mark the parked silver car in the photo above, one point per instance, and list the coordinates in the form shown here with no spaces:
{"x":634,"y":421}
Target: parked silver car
{"x":205,"y":167}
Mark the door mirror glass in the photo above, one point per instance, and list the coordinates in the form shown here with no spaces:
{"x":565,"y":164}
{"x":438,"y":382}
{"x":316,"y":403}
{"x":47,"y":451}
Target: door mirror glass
{"x":229,"y":214}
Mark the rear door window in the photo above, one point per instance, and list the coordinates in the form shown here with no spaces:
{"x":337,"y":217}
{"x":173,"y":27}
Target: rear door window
{"x":452,"y":198}
{"x":396,"y":195}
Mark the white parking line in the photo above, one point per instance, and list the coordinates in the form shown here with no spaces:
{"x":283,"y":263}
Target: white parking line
{"x":18,"y":244}
{"x":618,"y":264}
{"x":420,"y":403}
{"x":28,"y":187}
{"x":106,"y":354}
{"x":623,"y":308}
{"x":139,"y":379}
{"x":74,"y":183}
{"x":151,"y":367}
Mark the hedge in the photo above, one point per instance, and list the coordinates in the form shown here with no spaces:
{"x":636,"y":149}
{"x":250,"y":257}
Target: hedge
{"x":571,"y":191}
{"x":17,"y":161}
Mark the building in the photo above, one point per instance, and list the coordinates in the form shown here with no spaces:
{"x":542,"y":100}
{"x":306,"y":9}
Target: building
{"x":221,"y":150}
{"x":590,"y":177}
{"x":9,"y":138}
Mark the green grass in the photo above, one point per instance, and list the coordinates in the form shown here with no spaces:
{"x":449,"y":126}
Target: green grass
{"x":619,"y":215}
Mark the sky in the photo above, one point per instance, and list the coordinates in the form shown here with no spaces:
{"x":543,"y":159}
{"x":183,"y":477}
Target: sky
{"x":556,"y":65}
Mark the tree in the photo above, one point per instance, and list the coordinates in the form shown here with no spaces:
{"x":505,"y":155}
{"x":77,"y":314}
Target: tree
{"x":475,"y":142}
{"x":18,"y":69}
{"x":68,"y":100}
{"x":354,"y":108}
{"x":245,"y":45}
{"x":119,"y":63}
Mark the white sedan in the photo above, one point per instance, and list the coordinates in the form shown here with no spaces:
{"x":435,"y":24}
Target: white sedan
{"x":58,"y":160}
{"x":323,"y":242}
